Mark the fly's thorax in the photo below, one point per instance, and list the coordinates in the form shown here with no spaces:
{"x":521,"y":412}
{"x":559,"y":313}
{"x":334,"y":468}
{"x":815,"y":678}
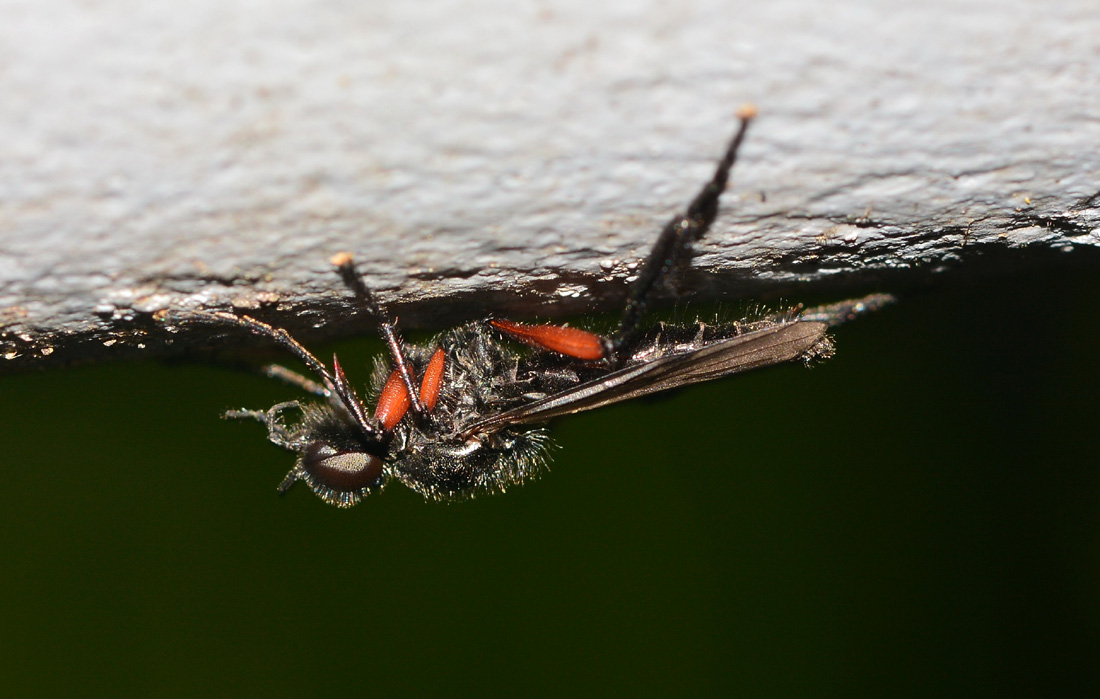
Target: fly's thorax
{"x":479,"y":376}
{"x":482,"y":376}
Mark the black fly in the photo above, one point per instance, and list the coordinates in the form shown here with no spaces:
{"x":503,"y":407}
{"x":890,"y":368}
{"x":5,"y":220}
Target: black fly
{"x":463,"y":414}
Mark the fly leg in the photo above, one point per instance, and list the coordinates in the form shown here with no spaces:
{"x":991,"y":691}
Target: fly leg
{"x":672,"y":252}
{"x":272,"y":418}
{"x":345,"y":265}
{"x":669,"y":255}
{"x":277,"y":371}
{"x":334,"y":382}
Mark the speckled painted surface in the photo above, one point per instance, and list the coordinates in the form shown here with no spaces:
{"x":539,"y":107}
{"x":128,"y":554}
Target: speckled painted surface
{"x":514,"y":158}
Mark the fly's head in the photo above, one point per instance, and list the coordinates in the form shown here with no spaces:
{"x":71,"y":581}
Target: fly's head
{"x":338,"y":462}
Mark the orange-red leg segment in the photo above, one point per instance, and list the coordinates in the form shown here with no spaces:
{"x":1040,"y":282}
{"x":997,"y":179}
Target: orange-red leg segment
{"x":432,"y":381}
{"x":393,"y":403}
{"x":572,"y":342}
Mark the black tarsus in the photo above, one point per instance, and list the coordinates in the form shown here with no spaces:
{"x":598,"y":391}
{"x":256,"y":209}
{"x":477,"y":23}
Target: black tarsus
{"x":345,"y":264}
{"x":672,"y":249}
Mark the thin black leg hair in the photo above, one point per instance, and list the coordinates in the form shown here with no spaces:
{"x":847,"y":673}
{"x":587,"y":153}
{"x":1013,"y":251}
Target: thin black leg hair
{"x":673,"y":247}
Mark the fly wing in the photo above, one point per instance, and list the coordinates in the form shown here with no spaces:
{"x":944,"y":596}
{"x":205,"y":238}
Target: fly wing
{"x":752,"y":350}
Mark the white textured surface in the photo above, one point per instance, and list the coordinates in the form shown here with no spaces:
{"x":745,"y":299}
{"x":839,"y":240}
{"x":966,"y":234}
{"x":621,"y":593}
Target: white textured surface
{"x":170,"y":154}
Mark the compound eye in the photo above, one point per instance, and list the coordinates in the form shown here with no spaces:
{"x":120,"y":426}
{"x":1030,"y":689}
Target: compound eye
{"x":344,"y":471}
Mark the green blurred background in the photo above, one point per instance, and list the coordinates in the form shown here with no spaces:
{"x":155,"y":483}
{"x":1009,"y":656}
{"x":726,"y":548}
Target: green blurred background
{"x":920,"y":514}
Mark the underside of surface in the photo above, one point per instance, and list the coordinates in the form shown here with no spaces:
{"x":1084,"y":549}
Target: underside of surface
{"x":519,"y":161}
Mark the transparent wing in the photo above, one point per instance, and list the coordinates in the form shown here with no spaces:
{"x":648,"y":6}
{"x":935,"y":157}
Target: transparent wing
{"x":752,"y":350}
